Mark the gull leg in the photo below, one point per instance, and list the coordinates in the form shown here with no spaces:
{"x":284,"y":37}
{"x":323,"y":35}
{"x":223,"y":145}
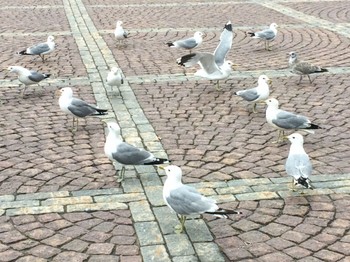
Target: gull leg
{"x":23,"y":91}
{"x":301,"y":76}
{"x":293,"y":186}
{"x":254,"y":108}
{"x":309,"y":79}
{"x":180,"y":228}
{"x":42,"y":57}
{"x":120,"y":176}
{"x":218,"y":88}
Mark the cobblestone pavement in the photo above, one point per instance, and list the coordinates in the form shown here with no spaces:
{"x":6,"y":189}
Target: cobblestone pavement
{"x":59,"y":199}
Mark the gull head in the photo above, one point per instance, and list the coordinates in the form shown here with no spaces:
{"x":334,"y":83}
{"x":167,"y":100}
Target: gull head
{"x":228,"y":66}
{"x":264,"y":79}
{"x":119,"y":23}
{"x":66,"y":92}
{"x":172,"y":172}
{"x":292,"y":57}
{"x":15,"y":69}
{"x":273,"y":26}
{"x":113,"y":127}
{"x":273,"y":102}
{"x":50,"y":38}
{"x":198,"y":35}
{"x":115,"y":70}
{"x":296,"y":138}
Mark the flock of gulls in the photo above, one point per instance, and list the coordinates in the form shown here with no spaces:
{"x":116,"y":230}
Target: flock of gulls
{"x":183,"y":199}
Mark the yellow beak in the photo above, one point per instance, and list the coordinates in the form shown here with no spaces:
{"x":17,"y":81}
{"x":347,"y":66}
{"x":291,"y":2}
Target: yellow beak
{"x":161,"y":167}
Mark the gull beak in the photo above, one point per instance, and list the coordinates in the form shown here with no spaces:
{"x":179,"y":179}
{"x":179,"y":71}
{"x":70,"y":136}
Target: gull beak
{"x":161,"y":167}
{"x":234,"y":66}
{"x":269,"y":82}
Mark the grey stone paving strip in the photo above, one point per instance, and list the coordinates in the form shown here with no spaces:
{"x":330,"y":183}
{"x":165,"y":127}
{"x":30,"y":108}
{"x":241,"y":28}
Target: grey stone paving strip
{"x":146,"y":210}
{"x":31,"y":7}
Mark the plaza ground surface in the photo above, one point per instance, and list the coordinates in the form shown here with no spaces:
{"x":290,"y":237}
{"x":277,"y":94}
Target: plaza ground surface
{"x":59,"y":197}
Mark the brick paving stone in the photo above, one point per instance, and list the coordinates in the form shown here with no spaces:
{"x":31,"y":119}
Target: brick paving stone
{"x":294,"y":236}
{"x":297,"y":252}
{"x":106,"y":258}
{"x":276,"y":256}
{"x":275,"y":229}
{"x":327,"y":255}
{"x":100,"y":248}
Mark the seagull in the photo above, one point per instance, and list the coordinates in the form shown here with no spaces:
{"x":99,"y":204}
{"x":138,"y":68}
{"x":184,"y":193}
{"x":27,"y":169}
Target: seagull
{"x":126,"y":154}
{"x":256,"y":94}
{"x":40,"y":49}
{"x":115,"y":78}
{"x":213,"y":66}
{"x":27,"y":77}
{"x":303,"y":68}
{"x":283,"y":120}
{"x":268,"y":35}
{"x":76,"y":107}
{"x":119,"y":33}
{"x":298,"y":164}
{"x":186,"y":200}
{"x":188,"y":43}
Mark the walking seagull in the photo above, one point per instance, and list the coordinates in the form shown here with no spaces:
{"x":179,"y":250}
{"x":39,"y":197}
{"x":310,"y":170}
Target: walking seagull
{"x":119,"y":33}
{"x":115,"y":78}
{"x":213,"y":66}
{"x":298,"y":164}
{"x":27,"y":77}
{"x":118,"y":150}
{"x":76,"y":107}
{"x":40,"y":49}
{"x":256,"y":94}
{"x":303,"y":68}
{"x":188,"y":43}
{"x":268,"y":35}
{"x":284,"y":120}
{"x":185,"y":200}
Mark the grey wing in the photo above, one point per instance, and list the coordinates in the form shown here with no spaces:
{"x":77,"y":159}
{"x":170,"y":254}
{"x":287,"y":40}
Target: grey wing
{"x":305,"y":68}
{"x":248,"y":95}
{"x":207,"y":63}
{"x":267,"y":34}
{"x":187,"y":43}
{"x":80,"y":108}
{"x":298,"y":165}
{"x":129,"y":155}
{"x":289,"y":120}
{"x":39,"y":49}
{"x":36,"y":77}
{"x":223,"y":47}
{"x":186,"y":200}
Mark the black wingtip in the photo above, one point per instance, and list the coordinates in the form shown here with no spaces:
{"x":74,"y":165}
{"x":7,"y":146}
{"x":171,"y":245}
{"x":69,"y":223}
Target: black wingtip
{"x":228,"y":26}
{"x":24,"y":52}
{"x":324,"y":70}
{"x":313,"y":126}
{"x":170,"y":44}
{"x":159,"y":161}
{"x":47,"y":75}
{"x":184,"y":59}
{"x":251,"y":34}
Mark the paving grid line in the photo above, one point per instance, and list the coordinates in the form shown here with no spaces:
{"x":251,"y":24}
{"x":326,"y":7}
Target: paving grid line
{"x":100,"y":199}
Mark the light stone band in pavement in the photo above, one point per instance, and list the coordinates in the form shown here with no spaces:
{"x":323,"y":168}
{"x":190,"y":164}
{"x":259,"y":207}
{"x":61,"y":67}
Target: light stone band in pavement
{"x":270,"y":228}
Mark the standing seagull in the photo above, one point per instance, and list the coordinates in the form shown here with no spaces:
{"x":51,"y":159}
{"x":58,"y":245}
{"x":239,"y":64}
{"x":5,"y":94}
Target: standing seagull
{"x":298,"y":164}
{"x":213,"y":66}
{"x":76,"y":107}
{"x":115,"y":78}
{"x":188,"y":43}
{"x":283,"y":120}
{"x":186,"y":200}
{"x":119,"y":33}
{"x":303,"y":68}
{"x":256,"y":94}
{"x":27,"y":77}
{"x":126,"y":154}
{"x":40,"y":49}
{"x":267,"y":35}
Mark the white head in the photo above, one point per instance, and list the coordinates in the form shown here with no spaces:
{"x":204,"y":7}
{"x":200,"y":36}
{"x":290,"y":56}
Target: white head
{"x":198,"y":34}
{"x":66,"y":92}
{"x":263,"y":79}
{"x":293,"y":56}
{"x":115,"y":70}
{"x":119,"y":23}
{"x":50,"y":38}
{"x":15,"y":69}
{"x":272,"y":102}
{"x":113,"y":127}
{"x":273,"y":26}
{"x":296,"y":138}
{"x":173,"y":172}
{"x":227,"y":66}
